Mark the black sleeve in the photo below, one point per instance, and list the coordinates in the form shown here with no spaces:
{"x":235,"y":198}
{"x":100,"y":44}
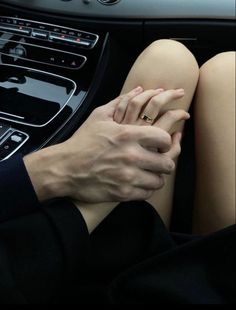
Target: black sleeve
{"x":17,"y":195}
{"x":41,"y":253}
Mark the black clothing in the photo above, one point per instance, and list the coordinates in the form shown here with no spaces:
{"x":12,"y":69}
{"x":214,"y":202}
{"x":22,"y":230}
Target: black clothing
{"x":17,"y":196}
{"x":47,"y":255}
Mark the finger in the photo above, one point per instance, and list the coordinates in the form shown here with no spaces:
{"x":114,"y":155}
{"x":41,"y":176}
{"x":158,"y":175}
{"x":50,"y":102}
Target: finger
{"x":146,"y":136}
{"x":149,"y":181}
{"x":155,"y":162}
{"x":135,"y":194}
{"x":175,"y":150}
{"x":170,"y":118}
{"x":122,"y":105}
{"x":156,"y":103}
{"x":105,"y":112}
{"x":137,"y":104}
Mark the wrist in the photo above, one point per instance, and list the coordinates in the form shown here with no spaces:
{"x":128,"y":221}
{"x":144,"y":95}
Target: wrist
{"x":44,"y":171}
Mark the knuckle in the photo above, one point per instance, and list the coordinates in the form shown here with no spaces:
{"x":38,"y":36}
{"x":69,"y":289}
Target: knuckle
{"x":128,"y":176}
{"x":120,"y":108}
{"x":131,"y":155}
{"x":148,"y":194}
{"x":160,"y":183}
{"x":134,"y":103}
{"x":171,"y":114}
{"x":155,"y":102}
{"x":166,"y":138}
{"x":169,"y":165}
{"x":124,"y":134}
{"x":122,"y":97}
{"x":125,"y":193}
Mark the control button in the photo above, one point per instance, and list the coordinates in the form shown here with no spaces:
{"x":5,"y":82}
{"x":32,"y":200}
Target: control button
{"x":16,"y":138}
{"x":42,"y":27}
{"x":82,"y":42}
{"x":3,"y":130}
{"x":72,"y":33}
{"x":75,"y":62}
{"x":69,"y":40}
{"x":88,"y":36}
{"x":12,"y":143}
{"x":6,"y":147}
{"x":64,"y":31}
{"x":15,"y":29}
{"x":67,"y":61}
{"x":52,"y":60}
{"x":9,"y":21}
{"x":39,"y":34}
{"x":57,"y":29}
{"x":18,"y":51}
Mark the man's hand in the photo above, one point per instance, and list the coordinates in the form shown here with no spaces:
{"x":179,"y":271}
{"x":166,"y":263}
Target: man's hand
{"x":103,"y":161}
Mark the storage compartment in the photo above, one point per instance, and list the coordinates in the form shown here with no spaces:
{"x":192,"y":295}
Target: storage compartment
{"x":32,"y":97}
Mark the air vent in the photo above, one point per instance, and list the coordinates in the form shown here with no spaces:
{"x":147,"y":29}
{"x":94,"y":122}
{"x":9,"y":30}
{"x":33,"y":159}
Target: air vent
{"x":108,"y":2}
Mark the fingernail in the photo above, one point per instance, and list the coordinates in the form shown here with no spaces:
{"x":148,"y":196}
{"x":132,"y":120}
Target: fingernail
{"x":160,"y":89}
{"x":138,"y":89}
{"x":180,"y":90}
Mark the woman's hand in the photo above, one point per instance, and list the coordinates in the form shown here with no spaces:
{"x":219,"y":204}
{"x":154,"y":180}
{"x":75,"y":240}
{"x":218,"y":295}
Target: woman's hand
{"x":148,"y":108}
{"x":140,"y":107}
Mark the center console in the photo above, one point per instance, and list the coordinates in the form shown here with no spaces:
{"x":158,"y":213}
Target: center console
{"x":46,"y":71}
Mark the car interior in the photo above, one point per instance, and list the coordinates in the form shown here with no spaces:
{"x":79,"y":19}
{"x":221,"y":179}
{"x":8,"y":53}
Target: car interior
{"x":60,"y":59}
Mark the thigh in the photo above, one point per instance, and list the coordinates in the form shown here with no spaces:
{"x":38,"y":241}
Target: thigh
{"x":165,"y":64}
{"x":215,"y":144}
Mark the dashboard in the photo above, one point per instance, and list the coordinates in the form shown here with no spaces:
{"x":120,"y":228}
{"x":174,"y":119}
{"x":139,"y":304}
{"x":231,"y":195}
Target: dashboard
{"x":59,"y":59}
{"x":135,"y":9}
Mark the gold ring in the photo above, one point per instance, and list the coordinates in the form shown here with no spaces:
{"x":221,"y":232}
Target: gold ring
{"x":147,"y":118}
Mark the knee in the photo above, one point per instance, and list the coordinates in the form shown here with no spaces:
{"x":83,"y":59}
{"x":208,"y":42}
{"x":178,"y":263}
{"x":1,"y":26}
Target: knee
{"x":219,"y":67}
{"x":174,"y":53}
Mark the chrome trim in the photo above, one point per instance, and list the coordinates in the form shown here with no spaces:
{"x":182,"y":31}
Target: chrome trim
{"x":6,"y":134}
{"x":47,"y":48}
{"x":47,"y":73}
{"x":52,"y":37}
{"x":53,"y":25}
{"x":20,"y":31}
{"x":11,"y":132}
{"x":9,"y":114}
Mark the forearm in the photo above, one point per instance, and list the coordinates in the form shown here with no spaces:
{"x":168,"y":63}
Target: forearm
{"x":49,"y":182}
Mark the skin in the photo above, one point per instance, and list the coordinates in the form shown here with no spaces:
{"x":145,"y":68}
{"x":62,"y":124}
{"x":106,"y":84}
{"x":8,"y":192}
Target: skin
{"x":104,"y":155}
{"x":215,"y":145}
{"x":95,"y":213}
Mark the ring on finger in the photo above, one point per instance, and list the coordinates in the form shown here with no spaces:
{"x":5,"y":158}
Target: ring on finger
{"x":147,"y":118}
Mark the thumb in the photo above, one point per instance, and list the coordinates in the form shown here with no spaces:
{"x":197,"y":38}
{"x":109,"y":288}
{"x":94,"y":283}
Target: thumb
{"x":106,"y":112}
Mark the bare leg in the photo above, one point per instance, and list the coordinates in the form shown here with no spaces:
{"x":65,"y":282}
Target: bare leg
{"x":215,"y":145}
{"x":170,"y":65}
